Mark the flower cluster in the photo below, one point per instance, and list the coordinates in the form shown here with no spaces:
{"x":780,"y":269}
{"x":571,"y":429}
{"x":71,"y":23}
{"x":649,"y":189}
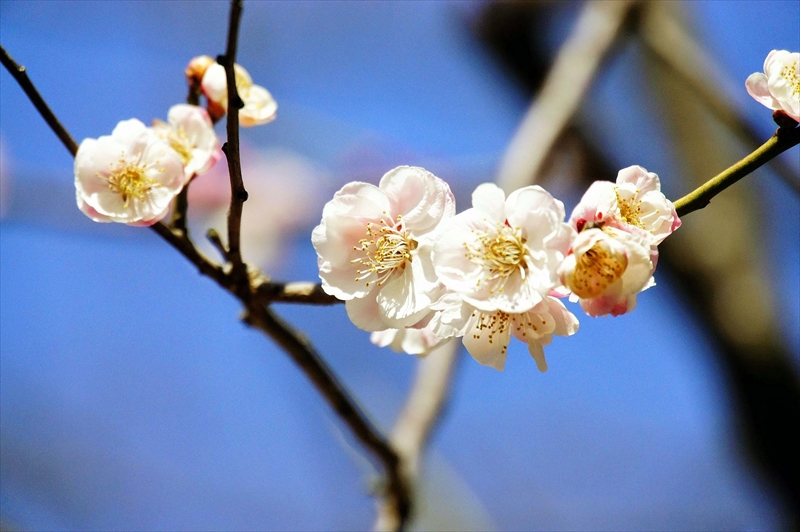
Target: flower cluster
{"x":133,"y":175}
{"x":414,"y":273}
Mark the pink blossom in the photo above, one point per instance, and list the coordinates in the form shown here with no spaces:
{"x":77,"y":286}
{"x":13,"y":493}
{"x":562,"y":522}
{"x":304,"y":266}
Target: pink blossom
{"x":778,"y":88}
{"x":634,"y":202}
{"x":129,"y":177}
{"x":606,"y":268}
{"x":374,"y":247}
{"x":502,"y":254}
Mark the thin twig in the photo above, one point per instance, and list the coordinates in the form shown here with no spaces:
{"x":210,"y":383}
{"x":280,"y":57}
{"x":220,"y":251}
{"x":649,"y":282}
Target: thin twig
{"x":231,"y":147}
{"x":179,"y":208}
{"x":782,"y":140}
{"x":669,"y":42}
{"x":569,"y":78}
{"x":21,"y":75}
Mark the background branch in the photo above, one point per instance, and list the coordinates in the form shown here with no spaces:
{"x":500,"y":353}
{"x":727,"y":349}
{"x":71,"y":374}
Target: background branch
{"x":569,"y":78}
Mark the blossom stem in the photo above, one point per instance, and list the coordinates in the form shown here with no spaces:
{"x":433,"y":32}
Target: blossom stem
{"x":783,"y":139}
{"x":21,"y":75}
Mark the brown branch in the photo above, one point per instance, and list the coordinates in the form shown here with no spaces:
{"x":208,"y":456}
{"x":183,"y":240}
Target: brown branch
{"x":21,"y":75}
{"x":294,"y":292}
{"x":783,"y":139}
{"x":231,"y":147}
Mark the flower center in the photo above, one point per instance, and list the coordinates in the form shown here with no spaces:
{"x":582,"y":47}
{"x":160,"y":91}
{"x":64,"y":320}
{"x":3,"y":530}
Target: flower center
{"x":130,"y":181}
{"x":502,"y":253}
{"x":386,"y":248}
{"x":630,"y":210}
{"x":179,"y":141}
{"x":789,"y":73}
{"x":597,"y":269}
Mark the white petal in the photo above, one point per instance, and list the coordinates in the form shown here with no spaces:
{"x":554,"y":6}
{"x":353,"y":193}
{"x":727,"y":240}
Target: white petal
{"x":490,"y":201}
{"x":365,"y":314}
{"x":537,"y":352}
{"x":489,"y":353}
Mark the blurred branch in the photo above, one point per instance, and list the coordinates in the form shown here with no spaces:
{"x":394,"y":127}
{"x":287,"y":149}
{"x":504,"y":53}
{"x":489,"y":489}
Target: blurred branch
{"x":783,"y":139}
{"x":418,"y":419}
{"x":569,"y":78}
{"x":231,"y":148}
{"x":669,"y":42}
{"x":21,"y":75}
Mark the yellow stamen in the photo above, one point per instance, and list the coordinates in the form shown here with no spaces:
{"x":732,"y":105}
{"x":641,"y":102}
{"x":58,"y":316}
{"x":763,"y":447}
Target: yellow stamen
{"x":596,"y":270}
{"x":129,"y":180}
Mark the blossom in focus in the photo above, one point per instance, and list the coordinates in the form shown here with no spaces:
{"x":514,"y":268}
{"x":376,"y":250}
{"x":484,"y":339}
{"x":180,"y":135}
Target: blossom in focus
{"x":374,"y":247}
{"x":778,"y":88}
{"x":503,"y":253}
{"x":190,"y":133}
{"x":259,"y":105}
{"x":606,"y":268}
{"x":129,"y":177}
{"x":634,"y":202}
{"x":486,"y":334}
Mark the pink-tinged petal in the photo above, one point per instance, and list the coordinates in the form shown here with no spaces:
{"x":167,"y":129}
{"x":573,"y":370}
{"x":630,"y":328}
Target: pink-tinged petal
{"x":756,"y":85}
{"x":614,"y":305}
{"x":365,"y":313}
{"x":86,"y":209}
{"x":640,"y":178}
{"x":597,"y":204}
{"x":537,"y":352}
{"x":419,"y":197}
{"x":215,"y":85}
{"x":566,"y":324}
{"x":487,"y":351}
{"x":490,"y":201}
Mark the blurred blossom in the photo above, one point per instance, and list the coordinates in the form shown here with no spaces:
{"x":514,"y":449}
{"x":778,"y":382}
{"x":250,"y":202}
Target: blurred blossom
{"x":259,"y":106}
{"x":283,"y":199}
{"x":778,"y":88}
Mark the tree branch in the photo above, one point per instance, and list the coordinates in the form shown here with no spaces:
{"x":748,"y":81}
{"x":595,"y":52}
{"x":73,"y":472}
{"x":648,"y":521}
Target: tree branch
{"x":21,"y":75}
{"x":231,"y":147}
{"x":783,"y":139}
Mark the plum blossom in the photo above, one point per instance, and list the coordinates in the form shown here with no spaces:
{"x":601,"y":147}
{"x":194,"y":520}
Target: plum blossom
{"x":259,"y":106}
{"x":503,"y":254}
{"x":778,"y":88}
{"x":606,"y":268}
{"x":374,"y":247}
{"x":128,"y":177}
{"x":190,"y":133}
{"x":634,"y":202}
{"x":486,"y":334}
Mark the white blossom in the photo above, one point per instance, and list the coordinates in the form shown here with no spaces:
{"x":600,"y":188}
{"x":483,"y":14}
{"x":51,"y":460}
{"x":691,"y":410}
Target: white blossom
{"x":778,"y":88}
{"x":129,"y":177}
{"x":374,"y":247}
{"x":503,"y":254}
